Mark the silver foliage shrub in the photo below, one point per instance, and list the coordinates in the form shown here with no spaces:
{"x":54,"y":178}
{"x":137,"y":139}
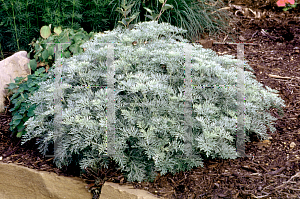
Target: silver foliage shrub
{"x":149,"y":104}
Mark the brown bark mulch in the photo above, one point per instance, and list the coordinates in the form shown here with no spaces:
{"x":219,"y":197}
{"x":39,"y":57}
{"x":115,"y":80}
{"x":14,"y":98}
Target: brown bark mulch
{"x":271,"y":169}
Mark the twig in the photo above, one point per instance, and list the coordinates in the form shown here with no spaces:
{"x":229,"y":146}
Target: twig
{"x":279,"y":77}
{"x":277,"y":171}
{"x":161,"y":10}
{"x":266,"y":34}
{"x":261,"y":196}
{"x":276,"y":76}
{"x":263,"y":168}
{"x":250,"y":169}
{"x":296,"y":175}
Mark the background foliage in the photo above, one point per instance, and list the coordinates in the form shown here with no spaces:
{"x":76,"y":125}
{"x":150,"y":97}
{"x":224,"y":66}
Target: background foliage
{"x":21,"y":20}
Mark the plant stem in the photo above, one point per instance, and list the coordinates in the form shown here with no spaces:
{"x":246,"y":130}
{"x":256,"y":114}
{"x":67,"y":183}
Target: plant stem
{"x":12,"y":4}
{"x":6,"y":8}
{"x":37,"y":16}
{"x":161,"y":10}
{"x":73,"y":13}
{"x":28,"y":21}
{"x":61,"y":15}
{"x":1,"y":51}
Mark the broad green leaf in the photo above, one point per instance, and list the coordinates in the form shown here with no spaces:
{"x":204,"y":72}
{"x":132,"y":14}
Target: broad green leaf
{"x":19,"y":134}
{"x":150,"y":17}
{"x":33,"y":64}
{"x":45,"y":32}
{"x":45,"y":54}
{"x":16,"y":122}
{"x":12,"y":86}
{"x":57,"y":30}
{"x":31,"y":111}
{"x":11,"y":110}
{"x":19,"y":79}
{"x":37,"y":47}
{"x":17,"y":117}
{"x":166,"y":7}
{"x":148,"y":10}
{"x":50,"y":49}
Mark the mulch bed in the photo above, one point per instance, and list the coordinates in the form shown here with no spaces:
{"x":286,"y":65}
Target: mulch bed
{"x":271,"y":169}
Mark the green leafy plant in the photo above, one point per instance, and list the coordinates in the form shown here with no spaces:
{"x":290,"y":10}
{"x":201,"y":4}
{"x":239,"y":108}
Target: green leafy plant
{"x":63,"y":13}
{"x":43,"y":57}
{"x":22,"y":19}
{"x":199,"y":17}
{"x":23,"y":110}
{"x":153,"y":16}
{"x":150,"y":134}
{"x":125,"y":10}
{"x":44,"y":53}
{"x":98,"y":16}
{"x":12,"y":18}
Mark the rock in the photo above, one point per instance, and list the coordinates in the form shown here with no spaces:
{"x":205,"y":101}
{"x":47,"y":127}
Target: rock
{"x":22,"y":182}
{"x":10,"y":68}
{"x":115,"y":191}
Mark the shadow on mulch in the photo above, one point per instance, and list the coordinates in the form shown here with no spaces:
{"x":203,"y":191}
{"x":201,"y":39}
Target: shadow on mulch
{"x":271,"y":169}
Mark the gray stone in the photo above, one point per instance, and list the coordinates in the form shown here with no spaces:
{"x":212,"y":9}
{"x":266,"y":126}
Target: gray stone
{"x":10,"y":68}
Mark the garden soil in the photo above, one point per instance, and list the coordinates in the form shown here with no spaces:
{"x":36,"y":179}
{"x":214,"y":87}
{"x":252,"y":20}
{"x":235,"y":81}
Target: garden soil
{"x":271,"y":168}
